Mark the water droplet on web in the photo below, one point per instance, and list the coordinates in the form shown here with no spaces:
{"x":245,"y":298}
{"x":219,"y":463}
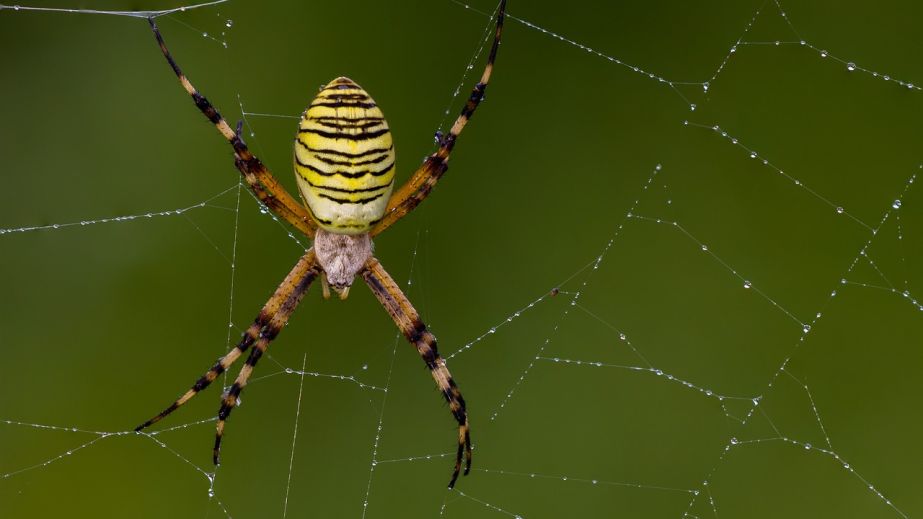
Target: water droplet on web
{"x":733,"y":49}
{"x":705,"y":86}
{"x":896,"y":204}
{"x":229,"y":23}
{"x":747,"y":284}
{"x":692,"y":107}
{"x":840,"y":210}
{"x":15,"y":7}
{"x":850,"y":66}
{"x":823,"y":54}
{"x":807,"y":446}
{"x":734,"y":441}
{"x":886,"y":78}
{"x":752,"y":154}
{"x":705,"y":247}
{"x":806,"y":328}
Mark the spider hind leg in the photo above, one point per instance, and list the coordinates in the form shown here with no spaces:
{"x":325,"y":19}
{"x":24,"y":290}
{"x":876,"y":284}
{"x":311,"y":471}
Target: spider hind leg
{"x":408,"y":320}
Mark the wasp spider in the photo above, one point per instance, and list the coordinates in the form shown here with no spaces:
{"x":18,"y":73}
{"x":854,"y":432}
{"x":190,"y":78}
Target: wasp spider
{"x":344,"y":165}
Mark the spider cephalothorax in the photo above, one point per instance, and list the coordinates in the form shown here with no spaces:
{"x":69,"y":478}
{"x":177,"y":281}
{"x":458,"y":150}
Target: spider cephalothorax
{"x":341,"y":256}
{"x":344,"y":164}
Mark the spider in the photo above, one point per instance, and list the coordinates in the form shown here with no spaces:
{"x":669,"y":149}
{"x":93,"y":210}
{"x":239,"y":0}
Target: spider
{"x":344,"y":166}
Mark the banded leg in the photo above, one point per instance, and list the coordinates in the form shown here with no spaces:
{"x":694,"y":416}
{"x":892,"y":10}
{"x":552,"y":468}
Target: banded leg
{"x":269,"y":332}
{"x":280,"y":298}
{"x":263,"y":184}
{"x":408,"y":320}
{"x":409,"y":195}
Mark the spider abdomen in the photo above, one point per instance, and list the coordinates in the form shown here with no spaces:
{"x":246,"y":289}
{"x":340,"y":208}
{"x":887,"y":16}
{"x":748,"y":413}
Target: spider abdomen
{"x":344,"y":158}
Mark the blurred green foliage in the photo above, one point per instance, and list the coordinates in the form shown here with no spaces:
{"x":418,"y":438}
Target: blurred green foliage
{"x":105,"y":323}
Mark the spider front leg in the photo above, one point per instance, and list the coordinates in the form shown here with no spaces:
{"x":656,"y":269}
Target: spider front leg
{"x":273,"y":316}
{"x":263,"y":184}
{"x":424,"y":179}
{"x":408,"y":320}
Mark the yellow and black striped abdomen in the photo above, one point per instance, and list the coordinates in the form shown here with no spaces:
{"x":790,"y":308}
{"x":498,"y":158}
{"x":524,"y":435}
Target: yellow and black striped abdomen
{"x":344,"y":158}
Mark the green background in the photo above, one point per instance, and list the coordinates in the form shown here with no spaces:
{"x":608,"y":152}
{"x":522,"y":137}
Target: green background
{"x":105,"y":323}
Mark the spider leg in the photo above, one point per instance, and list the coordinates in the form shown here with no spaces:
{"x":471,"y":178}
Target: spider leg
{"x":408,"y":320}
{"x":266,"y":336}
{"x":287,"y":290}
{"x":409,"y":195}
{"x":263,"y":184}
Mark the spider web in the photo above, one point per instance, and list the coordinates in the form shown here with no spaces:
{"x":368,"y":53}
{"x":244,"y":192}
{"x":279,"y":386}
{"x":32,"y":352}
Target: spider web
{"x":721,"y":198}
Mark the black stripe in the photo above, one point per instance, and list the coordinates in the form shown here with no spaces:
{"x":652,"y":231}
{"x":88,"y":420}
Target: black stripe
{"x":358,"y":96}
{"x":343,"y":119}
{"x":319,"y":220}
{"x":347,"y":174}
{"x":347,"y":136}
{"x":341,"y":104}
{"x":342,"y":123}
{"x":333,"y":162}
{"x":349,"y":226}
{"x":344,"y":153}
{"x":345,"y":201}
{"x":343,"y":190}
{"x":342,"y":86}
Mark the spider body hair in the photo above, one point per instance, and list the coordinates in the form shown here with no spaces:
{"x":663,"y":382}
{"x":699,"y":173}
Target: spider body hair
{"x":342,"y":256}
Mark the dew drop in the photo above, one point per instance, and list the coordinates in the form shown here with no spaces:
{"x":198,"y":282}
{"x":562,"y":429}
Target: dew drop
{"x":692,"y":107}
{"x":752,"y":154}
{"x":733,"y":49}
{"x":806,"y":328}
{"x":823,"y":54}
{"x":850,"y":66}
{"x":747,"y":284}
{"x":839,"y":210}
{"x":734,"y":441}
{"x":807,"y":446}
{"x":229,"y":23}
{"x":705,"y":248}
{"x":705,"y":86}
{"x":896,"y":204}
